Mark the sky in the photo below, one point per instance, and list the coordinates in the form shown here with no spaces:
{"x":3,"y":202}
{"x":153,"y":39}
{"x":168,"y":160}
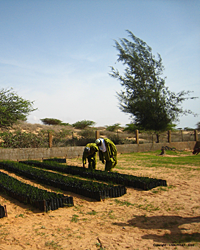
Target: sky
{"x":58,"y":53}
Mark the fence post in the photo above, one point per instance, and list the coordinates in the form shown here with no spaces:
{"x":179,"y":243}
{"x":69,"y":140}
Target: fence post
{"x":182,"y":135}
{"x":169,"y":136}
{"x":196,"y":135}
{"x":137,"y":136}
{"x":50,"y":139}
{"x":97,"y":134}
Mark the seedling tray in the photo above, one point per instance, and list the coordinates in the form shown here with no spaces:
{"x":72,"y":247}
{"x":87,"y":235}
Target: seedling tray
{"x":144,"y":183}
{"x":39,"y":198}
{"x":88,"y":188}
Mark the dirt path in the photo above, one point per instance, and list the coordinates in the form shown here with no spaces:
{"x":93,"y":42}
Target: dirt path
{"x":138,"y":220}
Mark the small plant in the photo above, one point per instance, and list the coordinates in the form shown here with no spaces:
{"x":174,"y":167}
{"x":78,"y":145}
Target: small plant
{"x":74,"y":218}
{"x":92,"y":212}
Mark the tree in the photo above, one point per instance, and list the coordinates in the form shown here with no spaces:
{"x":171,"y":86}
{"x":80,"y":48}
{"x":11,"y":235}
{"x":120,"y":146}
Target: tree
{"x":151,"y":104}
{"x":52,"y":121}
{"x":13,"y":108}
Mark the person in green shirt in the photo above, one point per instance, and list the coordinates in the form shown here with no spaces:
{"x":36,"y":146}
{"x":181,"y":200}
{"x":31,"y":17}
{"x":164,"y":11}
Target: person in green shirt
{"x":90,"y":153}
{"x":107,"y":152}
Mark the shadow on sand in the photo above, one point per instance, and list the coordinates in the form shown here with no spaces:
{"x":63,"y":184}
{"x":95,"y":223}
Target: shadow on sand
{"x":175,"y":224}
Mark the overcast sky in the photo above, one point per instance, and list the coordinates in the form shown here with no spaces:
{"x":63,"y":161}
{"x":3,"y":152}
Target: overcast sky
{"x":58,"y":53}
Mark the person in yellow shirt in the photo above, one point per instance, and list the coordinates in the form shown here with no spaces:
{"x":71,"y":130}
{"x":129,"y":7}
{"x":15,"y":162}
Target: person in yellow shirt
{"x":107,"y":152}
{"x":90,"y":154}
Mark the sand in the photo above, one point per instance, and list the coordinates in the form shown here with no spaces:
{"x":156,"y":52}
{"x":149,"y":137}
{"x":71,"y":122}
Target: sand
{"x":160,"y":218}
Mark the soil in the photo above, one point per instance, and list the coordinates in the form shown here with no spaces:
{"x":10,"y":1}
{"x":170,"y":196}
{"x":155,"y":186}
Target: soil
{"x":161,"y":218}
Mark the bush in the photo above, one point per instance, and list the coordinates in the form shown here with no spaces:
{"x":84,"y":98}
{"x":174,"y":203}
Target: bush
{"x":53,"y":121}
{"x":113,"y":128}
{"x":22,"y":140}
{"x":87,"y":133}
{"x":83,"y":124}
{"x":130,"y":127}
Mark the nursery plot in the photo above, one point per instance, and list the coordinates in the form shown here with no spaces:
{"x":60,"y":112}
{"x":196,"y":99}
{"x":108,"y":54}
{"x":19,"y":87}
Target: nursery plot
{"x":144,"y":183}
{"x":91,"y":189}
{"x":165,"y":217}
{"x":28,"y":194}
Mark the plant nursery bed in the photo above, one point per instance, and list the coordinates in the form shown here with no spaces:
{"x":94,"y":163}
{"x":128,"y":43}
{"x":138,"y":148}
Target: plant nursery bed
{"x":3,"y":211}
{"x":39,"y":198}
{"x":144,"y":183}
{"x":59,"y":160}
{"x":88,"y":188}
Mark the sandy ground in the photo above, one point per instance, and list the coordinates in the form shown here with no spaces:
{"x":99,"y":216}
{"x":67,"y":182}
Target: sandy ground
{"x":157,"y":219}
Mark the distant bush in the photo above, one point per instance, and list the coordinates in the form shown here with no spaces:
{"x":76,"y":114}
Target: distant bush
{"x":188,"y":129}
{"x":130,"y":127}
{"x":53,"y":121}
{"x":113,"y":128}
{"x":83,"y":124}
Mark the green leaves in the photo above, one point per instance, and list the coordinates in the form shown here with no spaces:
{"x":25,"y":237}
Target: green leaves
{"x":13,"y":108}
{"x":144,"y":94}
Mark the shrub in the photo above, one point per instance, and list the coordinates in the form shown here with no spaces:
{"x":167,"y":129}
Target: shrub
{"x":22,"y":140}
{"x":83,"y":124}
{"x":53,"y":121}
{"x":87,"y":133}
{"x":130,"y":127}
{"x":113,"y":128}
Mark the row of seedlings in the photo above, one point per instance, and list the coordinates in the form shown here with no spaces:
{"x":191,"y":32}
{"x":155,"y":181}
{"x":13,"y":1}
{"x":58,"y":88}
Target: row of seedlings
{"x":39,"y":198}
{"x":144,"y":183}
{"x":88,"y":188}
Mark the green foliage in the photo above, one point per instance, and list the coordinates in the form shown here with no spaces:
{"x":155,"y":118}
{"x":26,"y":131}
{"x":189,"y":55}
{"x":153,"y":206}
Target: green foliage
{"x":13,"y":108}
{"x":22,"y":140}
{"x":83,"y":124}
{"x":198,"y":126}
{"x":87,"y":133}
{"x":144,"y":94}
{"x":131,"y":128}
{"x":53,"y":121}
{"x":113,"y":128}
{"x":188,"y":129}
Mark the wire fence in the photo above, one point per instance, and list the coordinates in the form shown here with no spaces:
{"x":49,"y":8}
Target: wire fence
{"x":49,"y":139}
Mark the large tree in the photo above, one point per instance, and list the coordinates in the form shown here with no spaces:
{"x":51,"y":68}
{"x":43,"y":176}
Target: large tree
{"x":13,"y":108}
{"x":151,"y":104}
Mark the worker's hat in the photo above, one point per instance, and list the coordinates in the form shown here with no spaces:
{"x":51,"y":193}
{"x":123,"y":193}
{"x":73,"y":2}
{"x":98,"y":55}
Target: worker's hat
{"x":98,"y":141}
{"x":87,"y":149}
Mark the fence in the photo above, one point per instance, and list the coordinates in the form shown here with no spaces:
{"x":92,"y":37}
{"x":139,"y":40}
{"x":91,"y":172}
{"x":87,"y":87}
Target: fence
{"x":50,"y":140}
{"x":135,"y":138}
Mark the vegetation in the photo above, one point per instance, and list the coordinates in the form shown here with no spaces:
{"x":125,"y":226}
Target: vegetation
{"x":22,"y":140}
{"x":151,"y":104}
{"x":13,"y":108}
{"x":112,"y":177}
{"x":91,"y":189}
{"x":52,"y":121}
{"x":83,"y":124}
{"x":131,"y":127}
{"x":198,"y":126}
{"x":153,"y":159}
{"x":113,"y":128}
{"x":30,"y":194}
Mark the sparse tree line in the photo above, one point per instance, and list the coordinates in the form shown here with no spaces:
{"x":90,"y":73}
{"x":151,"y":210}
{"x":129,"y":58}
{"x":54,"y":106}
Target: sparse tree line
{"x":152,"y":106}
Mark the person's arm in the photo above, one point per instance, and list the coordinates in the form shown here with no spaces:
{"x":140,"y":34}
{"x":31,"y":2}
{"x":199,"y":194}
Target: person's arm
{"x":84,"y":159}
